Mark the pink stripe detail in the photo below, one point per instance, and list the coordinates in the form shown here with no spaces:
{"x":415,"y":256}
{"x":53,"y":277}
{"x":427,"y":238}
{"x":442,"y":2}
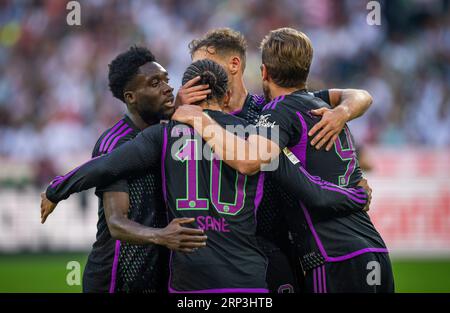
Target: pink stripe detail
{"x":319,"y":279}
{"x":236,"y":112}
{"x":279,"y":99}
{"x":356,"y":253}
{"x":313,"y":231}
{"x":224,"y":290}
{"x":169,"y":288}
{"x":314,"y":281}
{"x":114,"y":143}
{"x":271,"y":104}
{"x":121,"y":129}
{"x":324,"y":279}
{"x":59,"y":179}
{"x":112,"y":286}
{"x":323,"y":185}
{"x":322,"y":249}
{"x":361,"y":201}
{"x":259,"y":99}
{"x":299,"y":150}
{"x":354,"y":191}
{"x":109,"y":134}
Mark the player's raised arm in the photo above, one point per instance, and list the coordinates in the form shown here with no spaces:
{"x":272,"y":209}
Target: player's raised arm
{"x":131,"y":158}
{"x":191,"y":93}
{"x":347,"y":104}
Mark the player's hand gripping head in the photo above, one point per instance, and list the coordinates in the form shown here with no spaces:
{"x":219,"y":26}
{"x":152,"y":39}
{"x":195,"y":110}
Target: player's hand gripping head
{"x":212,"y":74}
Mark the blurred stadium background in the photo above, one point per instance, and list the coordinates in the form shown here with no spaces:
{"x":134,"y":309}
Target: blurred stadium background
{"x":54,"y":102}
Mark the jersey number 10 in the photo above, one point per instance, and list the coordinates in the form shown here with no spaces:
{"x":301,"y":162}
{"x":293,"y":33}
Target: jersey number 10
{"x":188,"y":155}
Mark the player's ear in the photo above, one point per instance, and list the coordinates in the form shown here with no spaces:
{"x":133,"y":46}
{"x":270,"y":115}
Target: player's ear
{"x":226,"y":98}
{"x":234,"y":65}
{"x":264,"y":74}
{"x":129,"y":97}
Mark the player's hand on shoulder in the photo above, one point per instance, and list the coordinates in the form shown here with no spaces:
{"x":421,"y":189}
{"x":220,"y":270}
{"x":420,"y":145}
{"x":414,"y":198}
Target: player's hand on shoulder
{"x":187,"y":114}
{"x":189,"y":94}
{"x":183,"y":239}
{"x":363,"y":183}
{"x":327,"y":130}
{"x":47,"y":207}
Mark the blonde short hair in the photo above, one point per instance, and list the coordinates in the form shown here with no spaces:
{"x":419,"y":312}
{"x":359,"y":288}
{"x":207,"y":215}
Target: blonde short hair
{"x":287,"y":54}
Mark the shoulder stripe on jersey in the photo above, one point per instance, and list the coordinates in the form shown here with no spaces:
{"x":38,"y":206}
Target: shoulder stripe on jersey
{"x":281,"y":98}
{"x":111,"y":138}
{"x":268,"y":105}
{"x":114,"y":143}
{"x":272,"y":104}
{"x":111,"y":131}
{"x":258,"y":99}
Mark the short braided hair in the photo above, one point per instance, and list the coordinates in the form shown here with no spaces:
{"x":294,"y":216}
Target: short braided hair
{"x":212,"y":74}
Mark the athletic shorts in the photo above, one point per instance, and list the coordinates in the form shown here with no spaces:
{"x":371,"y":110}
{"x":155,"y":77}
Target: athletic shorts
{"x":366,"y":273}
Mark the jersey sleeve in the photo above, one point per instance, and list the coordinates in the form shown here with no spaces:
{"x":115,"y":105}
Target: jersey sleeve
{"x":324,"y":95}
{"x":132,"y":158}
{"x":120,"y":185}
{"x":325,"y":199}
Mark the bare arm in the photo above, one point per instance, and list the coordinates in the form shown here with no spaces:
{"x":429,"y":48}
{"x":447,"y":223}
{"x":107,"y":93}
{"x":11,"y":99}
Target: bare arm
{"x":355,"y":101}
{"x":347,"y":104}
{"x":174,"y":236}
{"x":233,"y":150}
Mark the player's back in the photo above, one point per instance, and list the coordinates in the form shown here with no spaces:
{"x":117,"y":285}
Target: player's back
{"x":339,"y":166}
{"x":224,"y":204}
{"x":339,"y":236}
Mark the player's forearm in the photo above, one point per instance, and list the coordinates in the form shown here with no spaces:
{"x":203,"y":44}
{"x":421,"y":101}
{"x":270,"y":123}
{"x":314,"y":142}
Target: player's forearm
{"x":89,"y":175}
{"x":324,"y":199}
{"x":124,"y":229}
{"x":330,"y":200}
{"x":98,"y":172}
{"x":233,"y":150}
{"x":352,"y":102}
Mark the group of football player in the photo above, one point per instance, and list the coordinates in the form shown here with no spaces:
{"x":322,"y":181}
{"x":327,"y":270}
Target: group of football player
{"x":217,"y":190}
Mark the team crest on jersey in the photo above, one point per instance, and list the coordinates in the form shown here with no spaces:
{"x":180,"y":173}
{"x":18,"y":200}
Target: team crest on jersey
{"x":264,"y":122}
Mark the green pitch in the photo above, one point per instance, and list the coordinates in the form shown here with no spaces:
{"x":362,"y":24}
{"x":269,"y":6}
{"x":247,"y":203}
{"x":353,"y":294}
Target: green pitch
{"x":47,"y":273}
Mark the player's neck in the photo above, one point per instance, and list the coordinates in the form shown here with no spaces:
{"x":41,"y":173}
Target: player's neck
{"x":138,"y":121}
{"x":211,"y":105}
{"x":276,"y":91}
{"x":238,"y":95}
